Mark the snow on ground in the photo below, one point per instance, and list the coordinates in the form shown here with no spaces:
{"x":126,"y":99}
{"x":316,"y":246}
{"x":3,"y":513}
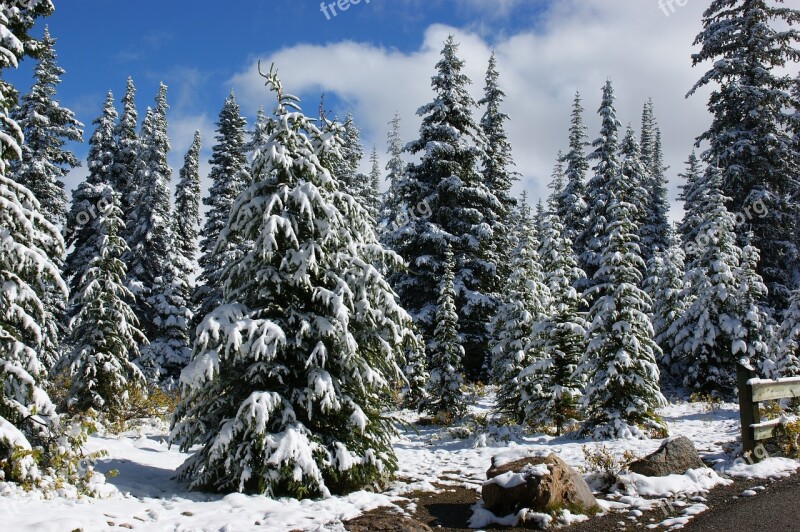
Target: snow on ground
{"x":146,"y":497}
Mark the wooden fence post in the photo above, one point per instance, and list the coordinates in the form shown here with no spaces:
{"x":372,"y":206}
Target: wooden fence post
{"x":748,"y":410}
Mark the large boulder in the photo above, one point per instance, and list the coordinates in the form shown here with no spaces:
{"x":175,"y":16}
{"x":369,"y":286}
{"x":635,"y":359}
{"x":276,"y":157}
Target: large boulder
{"x":674,"y":457}
{"x":541,"y":483}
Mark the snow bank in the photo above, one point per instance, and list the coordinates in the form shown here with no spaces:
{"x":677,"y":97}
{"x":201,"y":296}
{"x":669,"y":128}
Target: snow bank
{"x":692,"y":482}
{"x":775,"y":467}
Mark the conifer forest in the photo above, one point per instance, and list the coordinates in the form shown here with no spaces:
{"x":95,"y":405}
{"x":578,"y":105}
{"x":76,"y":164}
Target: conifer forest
{"x":307,"y":328}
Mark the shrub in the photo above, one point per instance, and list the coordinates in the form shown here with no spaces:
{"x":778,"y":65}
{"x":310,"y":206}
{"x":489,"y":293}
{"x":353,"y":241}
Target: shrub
{"x":711,"y":402}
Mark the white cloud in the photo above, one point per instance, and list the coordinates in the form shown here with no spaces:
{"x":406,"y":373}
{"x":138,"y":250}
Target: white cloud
{"x":576,"y":45}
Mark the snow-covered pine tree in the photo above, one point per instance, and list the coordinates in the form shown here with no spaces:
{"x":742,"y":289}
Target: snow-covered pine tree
{"x":647,"y":139}
{"x":227,"y":176}
{"x":538,"y":218}
{"x":692,"y":191}
{"x":392,"y":204}
{"x":497,"y":166}
{"x":415,"y":392}
{"x":345,"y":170}
{"x":606,"y":148}
{"x":749,"y":49}
{"x":104,"y":328}
{"x":186,"y":220}
{"x":258,"y":135}
{"x":90,"y":198}
{"x":526,"y":303}
{"x":550,"y":385}
{"x":170,"y":351}
{"x":447,"y":183}
{"x":656,"y":231}
{"x":291,"y":374}
{"x":708,"y":335}
{"x":622,"y":390}
{"x":45,"y":161}
{"x":636,"y":175}
{"x":27,"y":241}
{"x":751,"y":292}
{"x":557,"y":183}
{"x":659,"y":214}
{"x":372,"y":191}
{"x":149,"y":231}
{"x":786,"y":342}
{"x":666,"y":290}
{"x":572,"y":208}
{"x":47,"y":126}
{"x":445,"y":396}
{"x":127,"y":150}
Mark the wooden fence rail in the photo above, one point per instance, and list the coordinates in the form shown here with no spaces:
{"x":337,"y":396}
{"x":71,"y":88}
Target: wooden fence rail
{"x":753,"y":391}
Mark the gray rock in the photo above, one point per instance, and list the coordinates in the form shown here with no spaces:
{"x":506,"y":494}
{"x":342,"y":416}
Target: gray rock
{"x":557,"y":485}
{"x":674,"y":457}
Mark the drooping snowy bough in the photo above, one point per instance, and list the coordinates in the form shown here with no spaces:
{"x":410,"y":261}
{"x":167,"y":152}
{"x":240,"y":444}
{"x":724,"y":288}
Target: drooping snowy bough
{"x":292,"y":372}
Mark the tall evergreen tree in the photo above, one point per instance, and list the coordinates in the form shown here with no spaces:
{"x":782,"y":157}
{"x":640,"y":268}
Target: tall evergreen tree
{"x":91,"y":198}
{"x":292,"y":373}
{"x":497,"y":165}
{"x":445,"y":395}
{"x":572,"y":207}
{"x":636,"y":175}
{"x":227,"y":176}
{"x":647,"y":139}
{"x":258,"y":134}
{"x":666,"y":290}
{"x":516,"y":325}
{"x":656,"y":231}
{"x":392,"y":204}
{"x":658,"y":215}
{"x":47,"y":127}
{"x":373,"y":199}
{"x":186,"y":220}
{"x":462,"y":208}
{"x":550,"y":385}
{"x":692,"y":191}
{"x":749,"y":136}
{"x":129,"y":145}
{"x":607,"y":167}
{"x":713,"y":334}
{"x":557,"y":183}
{"x":104,"y":329}
{"x":622,"y":390}
{"x":27,"y":242}
{"x":757,"y":325}
{"x":45,"y":161}
{"x":150,"y":235}
{"x":345,"y":170}
{"x":169,"y":352}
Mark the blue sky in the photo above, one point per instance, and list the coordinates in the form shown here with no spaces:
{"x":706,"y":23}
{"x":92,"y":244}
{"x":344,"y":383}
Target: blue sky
{"x":377,"y":58}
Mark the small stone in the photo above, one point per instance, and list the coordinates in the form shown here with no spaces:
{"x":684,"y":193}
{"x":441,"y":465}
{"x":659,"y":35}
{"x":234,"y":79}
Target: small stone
{"x":674,"y":457}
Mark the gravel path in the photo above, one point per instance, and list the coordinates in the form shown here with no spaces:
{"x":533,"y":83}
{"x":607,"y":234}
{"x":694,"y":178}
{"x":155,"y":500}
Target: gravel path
{"x":774,"y":508}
